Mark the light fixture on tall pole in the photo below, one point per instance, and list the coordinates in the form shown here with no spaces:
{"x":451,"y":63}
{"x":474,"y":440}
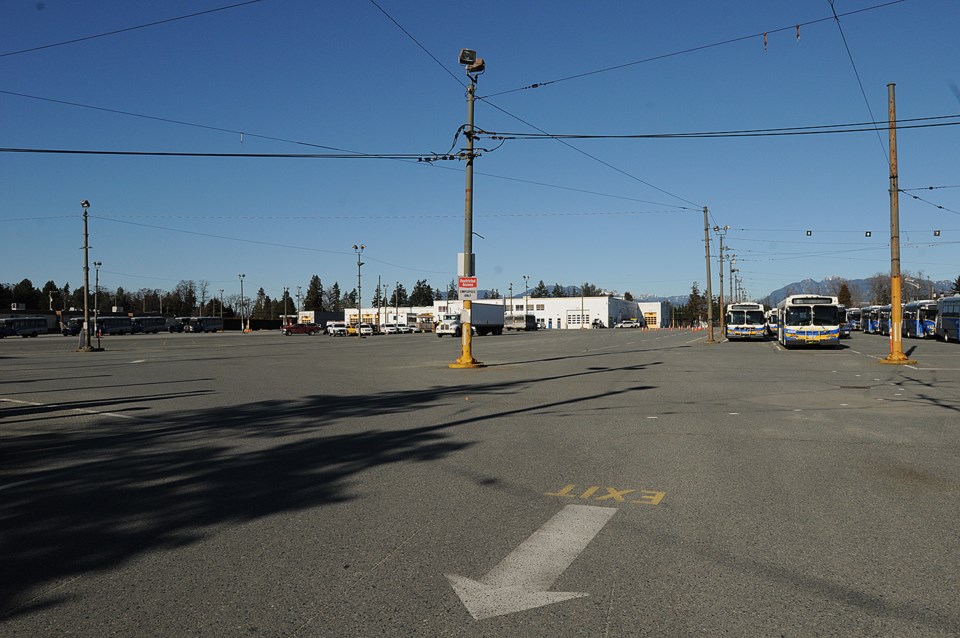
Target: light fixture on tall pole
{"x":359,"y":251}
{"x":526,"y":291}
{"x":467,"y":268}
{"x":721,"y":231}
{"x":221,"y":307}
{"x":242,"y":310}
{"x":85,"y":333}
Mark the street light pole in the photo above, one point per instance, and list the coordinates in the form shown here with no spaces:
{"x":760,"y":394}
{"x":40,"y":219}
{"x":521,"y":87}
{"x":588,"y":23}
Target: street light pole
{"x":221,"y":307}
{"x":359,"y":251}
{"x":85,"y":338}
{"x":526,"y":292}
{"x":473,"y":65}
{"x":721,"y":232}
{"x":242,"y":310}
{"x":286,"y":297}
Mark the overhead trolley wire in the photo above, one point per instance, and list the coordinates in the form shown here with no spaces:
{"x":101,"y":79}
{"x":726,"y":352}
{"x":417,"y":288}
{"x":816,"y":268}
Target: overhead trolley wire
{"x":695,"y":49}
{"x":843,"y":37}
{"x":126,"y":29}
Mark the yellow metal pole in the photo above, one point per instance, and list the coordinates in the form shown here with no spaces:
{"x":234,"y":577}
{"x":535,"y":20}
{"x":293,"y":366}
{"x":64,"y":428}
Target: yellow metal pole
{"x":896,"y":355}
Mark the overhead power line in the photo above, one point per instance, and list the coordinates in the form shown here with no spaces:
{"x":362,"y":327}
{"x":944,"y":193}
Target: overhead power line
{"x":126,"y":29}
{"x":843,"y":37}
{"x":425,"y":157}
{"x":822,"y":129}
{"x":243,"y":134}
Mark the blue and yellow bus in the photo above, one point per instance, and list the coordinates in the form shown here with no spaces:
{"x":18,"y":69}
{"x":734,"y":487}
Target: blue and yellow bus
{"x":809,"y":320}
{"x":843,"y":317}
{"x":745,"y":321}
{"x":948,"y":318}
{"x":870,"y":319}
{"x":773,"y":321}
{"x":854,"y":318}
{"x":920,"y":319}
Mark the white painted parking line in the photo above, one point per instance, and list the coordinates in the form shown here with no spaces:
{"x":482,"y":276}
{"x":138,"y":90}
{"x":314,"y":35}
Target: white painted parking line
{"x":81,"y":410}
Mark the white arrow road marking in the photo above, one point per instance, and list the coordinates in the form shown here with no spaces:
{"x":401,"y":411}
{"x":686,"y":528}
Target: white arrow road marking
{"x":522,"y":579}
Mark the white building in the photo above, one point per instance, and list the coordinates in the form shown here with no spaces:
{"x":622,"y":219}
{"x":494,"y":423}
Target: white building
{"x":565,"y":313}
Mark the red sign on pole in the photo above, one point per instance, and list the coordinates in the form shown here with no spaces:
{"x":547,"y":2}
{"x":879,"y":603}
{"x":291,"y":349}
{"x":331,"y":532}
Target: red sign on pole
{"x":467,"y":288}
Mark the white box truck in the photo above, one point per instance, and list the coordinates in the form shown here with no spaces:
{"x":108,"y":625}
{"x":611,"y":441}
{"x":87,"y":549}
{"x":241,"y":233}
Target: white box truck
{"x":485,"y":319}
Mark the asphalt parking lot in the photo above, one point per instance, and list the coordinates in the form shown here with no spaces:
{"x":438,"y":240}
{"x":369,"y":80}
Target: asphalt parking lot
{"x":594,"y":483}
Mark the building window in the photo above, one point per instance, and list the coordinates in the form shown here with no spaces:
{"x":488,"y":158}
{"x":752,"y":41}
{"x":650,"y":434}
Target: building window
{"x":541,"y":306}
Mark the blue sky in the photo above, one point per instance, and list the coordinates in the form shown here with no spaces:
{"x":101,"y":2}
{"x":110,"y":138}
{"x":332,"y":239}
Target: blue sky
{"x":622,"y":214}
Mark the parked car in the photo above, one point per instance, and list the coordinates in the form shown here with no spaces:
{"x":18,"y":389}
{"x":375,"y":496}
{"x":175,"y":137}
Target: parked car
{"x":366,"y":330}
{"x":390,"y":329}
{"x":337,"y":328}
{"x":407,"y":330}
{"x":627,"y":324}
{"x":301,"y":329}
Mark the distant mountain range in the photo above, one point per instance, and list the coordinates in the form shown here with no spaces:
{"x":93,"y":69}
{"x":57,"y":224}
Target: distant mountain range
{"x":860,"y":289}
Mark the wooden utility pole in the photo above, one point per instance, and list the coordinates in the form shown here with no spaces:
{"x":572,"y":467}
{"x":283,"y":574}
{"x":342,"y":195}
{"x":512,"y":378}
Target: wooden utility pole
{"x":706,"y":241}
{"x":896,"y":355}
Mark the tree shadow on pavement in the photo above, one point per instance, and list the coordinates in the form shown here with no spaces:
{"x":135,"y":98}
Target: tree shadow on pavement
{"x":93,"y":493}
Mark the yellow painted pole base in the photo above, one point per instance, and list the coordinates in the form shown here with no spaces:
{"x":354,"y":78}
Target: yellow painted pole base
{"x":898,"y":360}
{"x":468,"y":362}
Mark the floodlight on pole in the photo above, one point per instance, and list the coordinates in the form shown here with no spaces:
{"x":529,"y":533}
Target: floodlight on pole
{"x":359,"y":251}
{"x":474,"y":67}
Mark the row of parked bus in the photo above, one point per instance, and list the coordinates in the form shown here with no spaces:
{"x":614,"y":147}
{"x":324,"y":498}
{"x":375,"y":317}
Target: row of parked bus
{"x":920,"y":319}
{"x":141,"y":325}
{"x":798,"y":320}
{"x":821,"y":320}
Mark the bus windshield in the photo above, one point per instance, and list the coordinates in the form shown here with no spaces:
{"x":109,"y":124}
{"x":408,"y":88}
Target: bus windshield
{"x":825,"y":315}
{"x":746,"y":317}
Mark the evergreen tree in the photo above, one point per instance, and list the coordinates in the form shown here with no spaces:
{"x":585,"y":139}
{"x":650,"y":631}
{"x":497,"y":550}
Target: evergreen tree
{"x":956,"y":286}
{"x":494,"y":294}
{"x":589,"y":290}
{"x":25,"y":293}
{"x":627,"y":296}
{"x":540,"y":291}
{"x":314,"y":298}
{"x":349,"y":300}
{"x":333,"y":299}
{"x":452,"y":290}
{"x":260,"y":308}
{"x":422,"y":294}
{"x":399,"y":296}
{"x":377,"y":297}
{"x":843,"y":295}
{"x":437,"y":295}
{"x":558,"y":291}
{"x":696,"y":303}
